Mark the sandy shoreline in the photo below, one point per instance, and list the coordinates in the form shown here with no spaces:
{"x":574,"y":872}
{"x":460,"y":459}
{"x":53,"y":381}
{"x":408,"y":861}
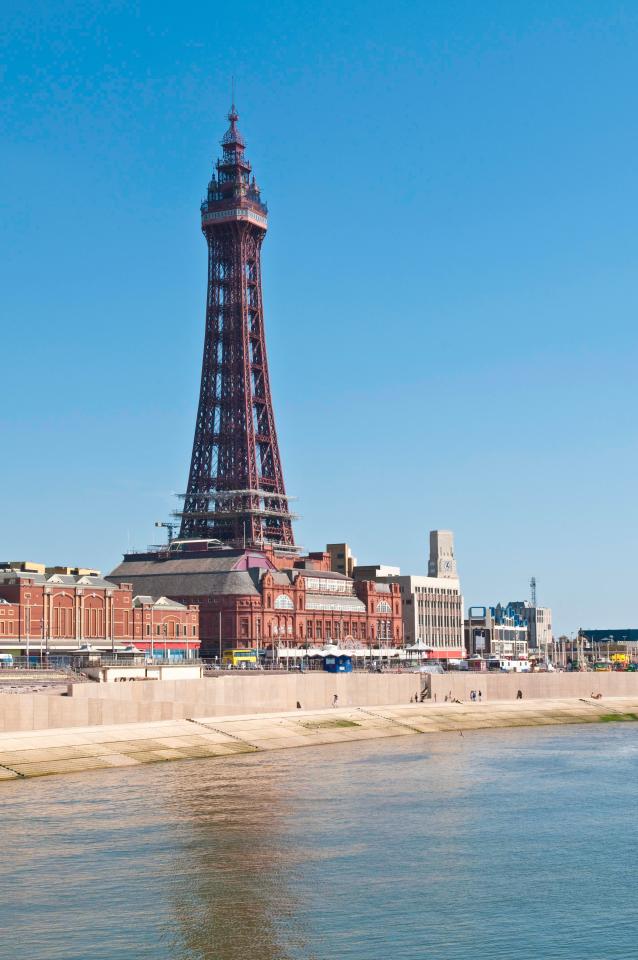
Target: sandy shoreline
{"x":71,"y":750}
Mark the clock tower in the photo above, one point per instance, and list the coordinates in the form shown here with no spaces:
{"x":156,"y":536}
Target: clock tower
{"x":442,"y":561}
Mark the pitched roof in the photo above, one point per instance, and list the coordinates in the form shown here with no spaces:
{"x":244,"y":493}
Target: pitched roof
{"x":192,"y":577}
{"x":164,"y":602}
{"x":62,"y":579}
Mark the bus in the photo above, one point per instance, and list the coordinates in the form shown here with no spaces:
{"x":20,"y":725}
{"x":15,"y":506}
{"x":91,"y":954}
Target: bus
{"x":245,"y":658}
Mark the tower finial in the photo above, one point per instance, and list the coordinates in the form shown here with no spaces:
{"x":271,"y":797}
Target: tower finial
{"x":233,"y":116}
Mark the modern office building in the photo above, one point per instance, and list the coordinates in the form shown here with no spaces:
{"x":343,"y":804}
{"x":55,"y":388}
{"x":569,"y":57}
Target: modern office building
{"x":375,"y":571}
{"x":539,"y":624}
{"x":433,"y":604}
{"x":496,"y":632}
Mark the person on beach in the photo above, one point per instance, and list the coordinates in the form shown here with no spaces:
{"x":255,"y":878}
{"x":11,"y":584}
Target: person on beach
{"x":519,"y":695}
{"x":298,"y":705}
{"x":480,"y":695}
{"x":335,"y":700}
{"x":472,"y":696}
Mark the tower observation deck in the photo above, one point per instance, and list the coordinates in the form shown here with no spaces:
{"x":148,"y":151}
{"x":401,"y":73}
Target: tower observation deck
{"x":236,"y":491}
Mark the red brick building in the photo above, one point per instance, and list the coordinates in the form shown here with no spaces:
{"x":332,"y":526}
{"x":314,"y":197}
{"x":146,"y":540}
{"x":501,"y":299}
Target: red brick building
{"x":255,"y":598}
{"x":58,"y":612}
{"x":165,"y":626}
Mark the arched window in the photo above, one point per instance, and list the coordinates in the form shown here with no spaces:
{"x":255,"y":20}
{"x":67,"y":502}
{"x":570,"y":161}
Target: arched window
{"x":282,"y":602}
{"x":384,"y":607}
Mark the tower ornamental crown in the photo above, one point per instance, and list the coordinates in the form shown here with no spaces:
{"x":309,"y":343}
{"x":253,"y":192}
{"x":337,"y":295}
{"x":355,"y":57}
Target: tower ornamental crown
{"x":232,"y":194}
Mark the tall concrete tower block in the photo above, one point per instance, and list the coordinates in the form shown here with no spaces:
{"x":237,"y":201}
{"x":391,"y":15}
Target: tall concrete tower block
{"x":442,"y":560}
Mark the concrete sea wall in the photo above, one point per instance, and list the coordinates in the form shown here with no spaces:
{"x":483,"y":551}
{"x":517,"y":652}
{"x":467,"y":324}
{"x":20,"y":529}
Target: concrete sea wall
{"x":93,"y":704}
{"x":146,"y":701}
{"x":534,"y":686}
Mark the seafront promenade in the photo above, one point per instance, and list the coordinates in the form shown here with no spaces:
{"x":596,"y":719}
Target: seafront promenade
{"x":73,"y":750}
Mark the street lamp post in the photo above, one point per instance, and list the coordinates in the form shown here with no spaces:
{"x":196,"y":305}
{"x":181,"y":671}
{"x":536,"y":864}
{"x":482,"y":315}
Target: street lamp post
{"x":111,"y":623}
{"x":48,"y":624}
{"x":27,"y":616}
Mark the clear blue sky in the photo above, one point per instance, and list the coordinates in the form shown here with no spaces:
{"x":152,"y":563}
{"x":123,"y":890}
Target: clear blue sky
{"x":450,"y":277}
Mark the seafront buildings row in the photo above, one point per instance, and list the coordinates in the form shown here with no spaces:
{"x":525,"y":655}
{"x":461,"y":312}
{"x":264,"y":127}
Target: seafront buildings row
{"x":376,"y":609}
{"x":231,"y":575}
{"x":183,"y":602}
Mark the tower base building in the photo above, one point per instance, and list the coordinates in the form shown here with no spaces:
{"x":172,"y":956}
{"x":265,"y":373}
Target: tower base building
{"x":255,"y":598}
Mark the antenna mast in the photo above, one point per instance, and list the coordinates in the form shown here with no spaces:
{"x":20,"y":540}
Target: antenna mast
{"x":532,"y":587}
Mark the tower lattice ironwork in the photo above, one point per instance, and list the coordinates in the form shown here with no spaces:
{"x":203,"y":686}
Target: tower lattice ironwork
{"x":236,"y":491}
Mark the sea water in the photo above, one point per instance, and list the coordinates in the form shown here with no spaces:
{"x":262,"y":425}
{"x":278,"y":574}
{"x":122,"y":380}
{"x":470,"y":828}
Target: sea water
{"x":503,"y":845}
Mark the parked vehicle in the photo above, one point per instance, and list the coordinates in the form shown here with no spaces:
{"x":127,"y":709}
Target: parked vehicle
{"x":604,"y":665}
{"x":508,"y":666}
{"x":244,"y":659}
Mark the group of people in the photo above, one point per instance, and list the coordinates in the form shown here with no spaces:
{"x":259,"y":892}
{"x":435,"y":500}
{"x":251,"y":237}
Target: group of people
{"x":450,"y":699}
{"x":476,"y":695}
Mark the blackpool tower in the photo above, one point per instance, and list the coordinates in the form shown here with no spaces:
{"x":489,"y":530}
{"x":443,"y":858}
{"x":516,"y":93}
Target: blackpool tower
{"x":236,"y":491}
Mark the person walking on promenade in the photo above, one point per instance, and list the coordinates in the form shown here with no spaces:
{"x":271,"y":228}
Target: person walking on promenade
{"x":335,"y":700}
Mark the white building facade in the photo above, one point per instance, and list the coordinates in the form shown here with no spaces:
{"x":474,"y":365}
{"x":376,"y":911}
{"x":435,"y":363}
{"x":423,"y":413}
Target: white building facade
{"x":539,"y":624}
{"x":433,"y":604}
